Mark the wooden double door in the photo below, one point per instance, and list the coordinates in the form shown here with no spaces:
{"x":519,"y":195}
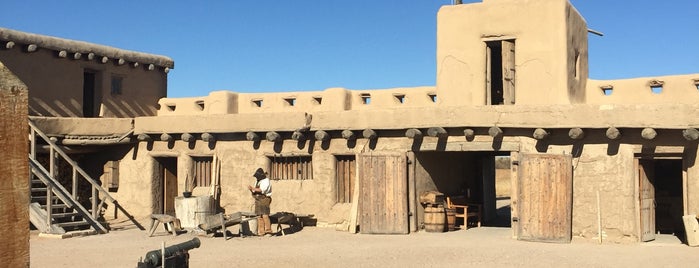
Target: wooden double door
{"x":383,"y":192}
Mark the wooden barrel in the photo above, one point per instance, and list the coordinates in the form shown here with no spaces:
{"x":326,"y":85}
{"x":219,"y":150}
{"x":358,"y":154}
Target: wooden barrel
{"x":435,"y":219}
{"x":451,"y":219}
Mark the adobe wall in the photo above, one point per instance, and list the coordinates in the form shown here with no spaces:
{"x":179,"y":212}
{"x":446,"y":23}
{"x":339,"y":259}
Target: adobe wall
{"x":675,"y":89}
{"x":542,"y":55}
{"x":56,"y":84}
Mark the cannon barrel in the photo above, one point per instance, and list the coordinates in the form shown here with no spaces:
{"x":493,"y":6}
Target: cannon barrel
{"x":153,"y":257}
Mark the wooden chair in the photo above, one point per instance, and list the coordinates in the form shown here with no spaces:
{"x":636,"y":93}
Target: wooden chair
{"x":466,"y":210}
{"x":170,"y":223}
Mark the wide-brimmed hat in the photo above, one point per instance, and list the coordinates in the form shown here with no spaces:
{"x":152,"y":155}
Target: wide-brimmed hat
{"x":259,"y":172}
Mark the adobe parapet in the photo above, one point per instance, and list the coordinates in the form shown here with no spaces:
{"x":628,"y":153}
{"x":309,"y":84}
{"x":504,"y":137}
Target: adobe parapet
{"x":332,"y":99}
{"x":679,"y":89}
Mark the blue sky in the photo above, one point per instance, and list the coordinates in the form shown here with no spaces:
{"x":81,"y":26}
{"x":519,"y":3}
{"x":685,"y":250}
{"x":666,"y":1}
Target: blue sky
{"x":266,"y":46}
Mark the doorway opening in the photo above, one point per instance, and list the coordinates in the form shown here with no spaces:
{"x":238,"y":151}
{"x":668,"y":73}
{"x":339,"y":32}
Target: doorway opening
{"x":473,"y":178}
{"x":660,"y":185}
{"x":165,"y":185}
{"x":500,"y":72}
{"x":89,"y":85}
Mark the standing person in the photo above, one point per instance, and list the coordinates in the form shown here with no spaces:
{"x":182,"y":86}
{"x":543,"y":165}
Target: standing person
{"x":262,"y":192}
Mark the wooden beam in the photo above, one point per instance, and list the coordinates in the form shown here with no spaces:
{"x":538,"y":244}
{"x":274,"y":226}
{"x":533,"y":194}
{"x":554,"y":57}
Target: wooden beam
{"x":540,"y":134}
{"x":121,"y":61}
{"x":348,"y":134}
{"x":322,"y":135}
{"x":252,"y":136}
{"x":135,"y":64}
{"x":166,"y":69}
{"x":613,"y":133}
{"x":104,"y":60}
{"x":151,"y":67}
{"x":62,"y":54}
{"x":144,"y":137}
{"x":273,"y":136}
{"x":690,"y":134}
{"x":576,"y":133}
{"x":9,"y":44}
{"x":297,"y":136}
{"x":208,"y":137}
{"x":32,"y":47}
{"x":437,"y":132}
{"x":470,"y":134}
{"x":495,"y":132}
{"x":165,"y":137}
{"x":413,"y":133}
{"x":369,"y":134}
{"x":90,"y":56}
{"x":649,"y":133}
{"x":186,"y":137}
{"x":77,"y":55}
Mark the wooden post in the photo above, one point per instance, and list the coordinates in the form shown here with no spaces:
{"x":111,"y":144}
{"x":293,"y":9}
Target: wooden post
{"x":599,"y":220}
{"x":14,"y":201}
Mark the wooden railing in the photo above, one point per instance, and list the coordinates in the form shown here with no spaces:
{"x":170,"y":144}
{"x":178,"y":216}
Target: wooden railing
{"x":78,"y":175}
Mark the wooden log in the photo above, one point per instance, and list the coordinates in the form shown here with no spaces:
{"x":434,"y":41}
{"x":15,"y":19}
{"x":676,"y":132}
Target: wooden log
{"x":144,"y":137}
{"x":166,"y":69}
{"x":469,"y":134}
{"x":576,"y":133}
{"x":252,"y":136}
{"x":62,"y":54}
{"x":165,"y":137}
{"x":77,"y":55}
{"x":90,"y":56}
{"x":613,"y":133}
{"x":369,"y":134}
{"x":273,"y":136}
{"x":208,"y":137}
{"x":121,"y":61}
{"x":690,"y":134}
{"x":151,"y":67}
{"x":104,"y":59}
{"x":9,"y":44}
{"x":413,"y":133}
{"x":186,"y":137}
{"x":649,"y":133}
{"x":437,"y":132}
{"x":135,"y":64}
{"x":322,"y":135}
{"x":298,"y":136}
{"x":540,"y":134}
{"x":32,"y":47}
{"x":495,"y":132}
{"x":348,"y":134}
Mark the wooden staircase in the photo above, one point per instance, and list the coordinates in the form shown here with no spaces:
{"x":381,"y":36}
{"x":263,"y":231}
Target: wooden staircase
{"x":56,"y":210}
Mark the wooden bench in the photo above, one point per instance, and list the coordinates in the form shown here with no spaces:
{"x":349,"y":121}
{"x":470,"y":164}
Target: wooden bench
{"x":170,"y":223}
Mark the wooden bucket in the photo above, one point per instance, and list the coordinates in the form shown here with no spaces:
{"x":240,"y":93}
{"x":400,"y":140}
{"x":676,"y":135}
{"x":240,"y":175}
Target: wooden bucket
{"x":451,"y":219}
{"x":435,"y":219}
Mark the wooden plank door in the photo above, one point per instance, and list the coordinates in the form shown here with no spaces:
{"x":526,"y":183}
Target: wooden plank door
{"x":545,"y":198}
{"x":508,"y":72}
{"x":168,"y":185}
{"x":646,"y":199}
{"x":383,"y":207}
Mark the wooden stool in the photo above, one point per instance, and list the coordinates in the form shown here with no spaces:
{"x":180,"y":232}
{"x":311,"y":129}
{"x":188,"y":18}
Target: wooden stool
{"x":170,"y":223}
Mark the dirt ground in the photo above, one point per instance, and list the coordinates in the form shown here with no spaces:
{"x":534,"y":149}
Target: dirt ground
{"x":324,"y":247}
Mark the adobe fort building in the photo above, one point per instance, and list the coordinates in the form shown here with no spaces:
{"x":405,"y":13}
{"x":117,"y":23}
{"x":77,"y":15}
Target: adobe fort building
{"x":611,"y":159}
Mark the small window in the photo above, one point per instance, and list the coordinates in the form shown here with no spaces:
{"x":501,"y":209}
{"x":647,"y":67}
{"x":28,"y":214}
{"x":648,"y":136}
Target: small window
{"x":291,"y":168}
{"x":200,"y":105}
{"x":345,"y":168}
{"x":318,"y":100}
{"x":110,"y":177}
{"x":171,"y":107}
{"x":202,"y":170}
{"x":366,"y":98}
{"x":116,"y":85}
{"x":656,"y":86}
{"x":400,"y":97}
{"x":290,"y":101}
{"x":432,"y":96}
{"x":696,"y":83}
{"x":257,"y":102}
{"x":607,"y":90}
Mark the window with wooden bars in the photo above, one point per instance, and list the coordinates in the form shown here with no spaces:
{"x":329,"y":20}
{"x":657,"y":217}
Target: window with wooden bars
{"x":202,"y":170}
{"x":291,"y":168}
{"x":110,"y":177}
{"x":345,"y":167}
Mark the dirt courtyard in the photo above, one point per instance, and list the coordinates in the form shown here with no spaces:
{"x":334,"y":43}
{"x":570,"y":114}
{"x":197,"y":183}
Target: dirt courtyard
{"x":324,"y":247}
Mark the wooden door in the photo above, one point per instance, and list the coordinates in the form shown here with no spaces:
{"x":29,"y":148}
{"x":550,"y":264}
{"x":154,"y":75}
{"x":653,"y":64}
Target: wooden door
{"x":646,"y":199}
{"x":508,"y":72}
{"x":545,"y":198}
{"x":383,"y":207}
{"x":168,"y":185}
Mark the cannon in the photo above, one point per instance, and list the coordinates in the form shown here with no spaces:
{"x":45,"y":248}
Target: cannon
{"x":176,"y":256}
